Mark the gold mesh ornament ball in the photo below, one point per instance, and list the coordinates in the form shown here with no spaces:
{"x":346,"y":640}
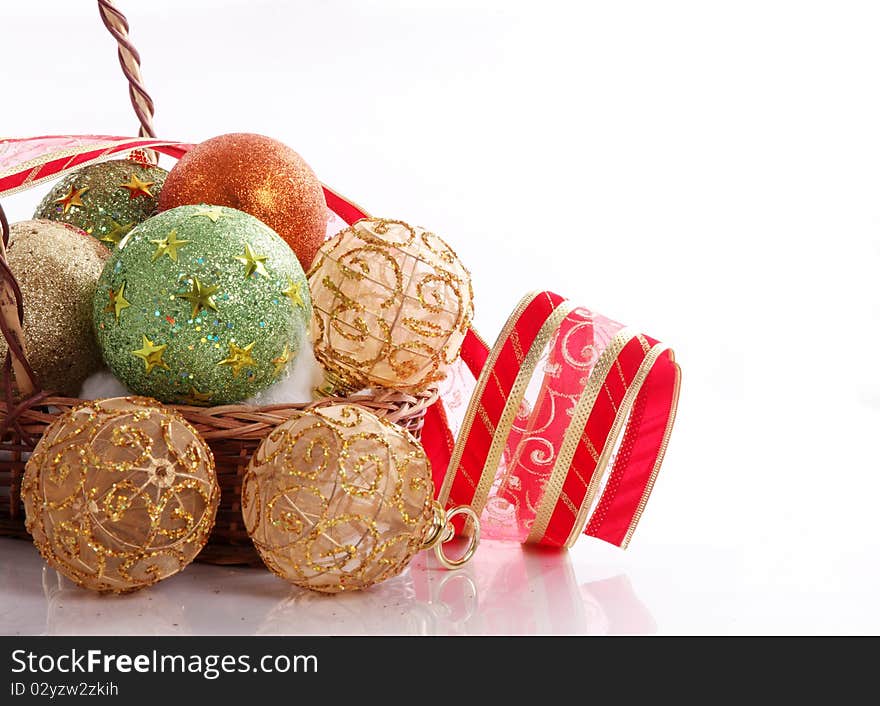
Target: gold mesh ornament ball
{"x":120,"y":493}
{"x":336,"y":499}
{"x":391,"y":303}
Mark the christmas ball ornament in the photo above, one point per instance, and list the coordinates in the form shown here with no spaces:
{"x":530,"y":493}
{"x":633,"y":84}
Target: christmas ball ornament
{"x":260,"y":176}
{"x":120,"y":494}
{"x":391,"y":303}
{"x":106,"y":199}
{"x":57,"y":267}
{"x":336,"y":499}
{"x":201,"y":305}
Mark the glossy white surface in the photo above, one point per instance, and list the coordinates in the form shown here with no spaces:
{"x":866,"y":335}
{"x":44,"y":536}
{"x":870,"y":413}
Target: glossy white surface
{"x":509,"y":591}
{"x":705,"y":172}
{"x":594,"y":589}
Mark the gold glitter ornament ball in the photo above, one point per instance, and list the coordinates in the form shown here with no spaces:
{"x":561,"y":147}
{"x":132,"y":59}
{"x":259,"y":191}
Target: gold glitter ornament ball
{"x":257,"y":175}
{"x":57,"y":267}
{"x":336,"y":499}
{"x":392,"y":304}
{"x":106,"y":199}
{"x":120,"y":493}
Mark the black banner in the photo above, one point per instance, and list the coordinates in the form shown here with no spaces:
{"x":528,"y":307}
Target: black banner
{"x":357,"y":670}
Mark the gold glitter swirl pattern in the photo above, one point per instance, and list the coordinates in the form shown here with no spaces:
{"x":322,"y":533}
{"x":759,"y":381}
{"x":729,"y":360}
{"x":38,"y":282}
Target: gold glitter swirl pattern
{"x":391,"y":303}
{"x":120,"y":493}
{"x":336,"y":499}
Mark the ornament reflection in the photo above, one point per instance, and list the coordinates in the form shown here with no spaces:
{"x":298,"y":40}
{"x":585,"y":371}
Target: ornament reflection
{"x":506,"y":590}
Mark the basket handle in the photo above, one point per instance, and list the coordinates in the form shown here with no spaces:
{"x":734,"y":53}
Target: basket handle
{"x":11,"y":309}
{"x":130,"y":61}
{"x":11,"y":318}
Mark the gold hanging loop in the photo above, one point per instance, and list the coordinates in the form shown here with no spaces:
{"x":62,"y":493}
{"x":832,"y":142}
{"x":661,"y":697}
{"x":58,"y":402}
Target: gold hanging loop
{"x":442,"y":531}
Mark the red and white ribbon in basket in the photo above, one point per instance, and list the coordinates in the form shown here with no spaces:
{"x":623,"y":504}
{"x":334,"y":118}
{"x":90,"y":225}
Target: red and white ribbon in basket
{"x":570,"y":413}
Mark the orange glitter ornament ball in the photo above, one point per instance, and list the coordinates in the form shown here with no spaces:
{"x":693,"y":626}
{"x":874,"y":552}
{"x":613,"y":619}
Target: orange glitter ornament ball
{"x":257,"y":175}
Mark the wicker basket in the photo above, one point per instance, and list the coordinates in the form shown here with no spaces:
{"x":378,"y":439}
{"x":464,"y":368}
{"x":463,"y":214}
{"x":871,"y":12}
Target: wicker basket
{"x":232,"y":431}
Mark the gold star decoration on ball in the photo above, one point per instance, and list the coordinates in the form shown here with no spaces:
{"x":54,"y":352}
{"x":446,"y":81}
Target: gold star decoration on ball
{"x":117,"y":301}
{"x":214,"y":214}
{"x":169,"y":245}
{"x":151,"y":354}
{"x":282,"y":360}
{"x":196,"y":398}
{"x":117,"y":232}
{"x":200,"y":296}
{"x":136,"y":187}
{"x":239,"y":358}
{"x":72,"y":198}
{"x":294,"y":293}
{"x":252,"y":262}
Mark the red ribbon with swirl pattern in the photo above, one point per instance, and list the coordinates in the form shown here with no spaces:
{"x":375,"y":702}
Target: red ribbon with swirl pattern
{"x":562,"y":391}
{"x":537,"y":470}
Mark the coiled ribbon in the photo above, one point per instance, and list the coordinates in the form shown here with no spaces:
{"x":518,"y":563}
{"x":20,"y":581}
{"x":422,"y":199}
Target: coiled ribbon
{"x":571,"y":412}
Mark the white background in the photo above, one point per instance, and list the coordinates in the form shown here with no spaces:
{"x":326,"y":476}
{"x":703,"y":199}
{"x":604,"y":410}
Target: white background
{"x":704,"y":171}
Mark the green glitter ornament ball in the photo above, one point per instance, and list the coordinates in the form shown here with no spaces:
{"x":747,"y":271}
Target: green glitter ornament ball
{"x":106,"y":199}
{"x":201,"y":305}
